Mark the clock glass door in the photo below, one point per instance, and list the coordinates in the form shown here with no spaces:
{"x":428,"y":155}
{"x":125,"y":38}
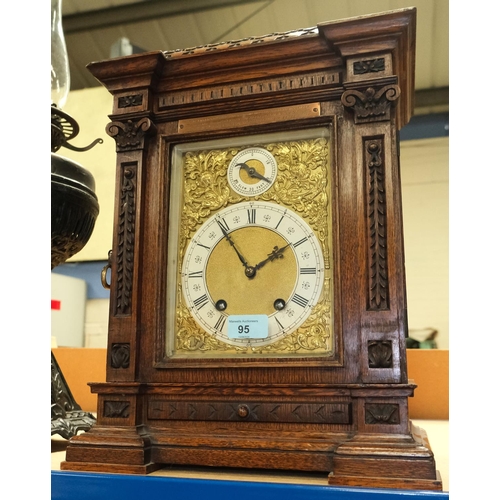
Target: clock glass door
{"x":251,"y":246}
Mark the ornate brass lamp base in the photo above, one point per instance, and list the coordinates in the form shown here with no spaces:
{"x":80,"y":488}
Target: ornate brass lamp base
{"x":74,"y":212}
{"x":67,"y":417}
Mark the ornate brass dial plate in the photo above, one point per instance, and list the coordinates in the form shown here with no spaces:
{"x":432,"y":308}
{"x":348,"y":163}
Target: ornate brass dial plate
{"x":223,"y":236}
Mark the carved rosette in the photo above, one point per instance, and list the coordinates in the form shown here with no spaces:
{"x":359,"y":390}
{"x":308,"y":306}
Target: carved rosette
{"x":378,"y":282}
{"x":120,"y":355}
{"x":372,"y":104}
{"x":380,"y":354}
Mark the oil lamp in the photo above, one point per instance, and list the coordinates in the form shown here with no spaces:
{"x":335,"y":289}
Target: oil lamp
{"x":74,"y":212}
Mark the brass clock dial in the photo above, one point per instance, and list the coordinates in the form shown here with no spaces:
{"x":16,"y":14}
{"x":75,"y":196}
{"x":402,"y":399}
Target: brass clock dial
{"x":258,"y":252}
{"x":234,"y":259}
{"x":252,"y":171}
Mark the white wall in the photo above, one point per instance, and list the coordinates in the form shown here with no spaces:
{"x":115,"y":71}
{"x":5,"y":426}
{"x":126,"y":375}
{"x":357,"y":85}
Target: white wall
{"x":424,"y":173}
{"x":90,"y":108}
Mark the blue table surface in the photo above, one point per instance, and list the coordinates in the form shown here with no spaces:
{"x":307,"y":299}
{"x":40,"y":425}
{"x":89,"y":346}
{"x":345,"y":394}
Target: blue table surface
{"x":67,"y":485}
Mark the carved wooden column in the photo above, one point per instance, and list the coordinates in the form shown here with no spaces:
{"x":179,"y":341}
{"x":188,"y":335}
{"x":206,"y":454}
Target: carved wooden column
{"x":120,"y":399}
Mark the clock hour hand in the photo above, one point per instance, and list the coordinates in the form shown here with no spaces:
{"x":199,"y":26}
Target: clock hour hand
{"x":252,"y":172}
{"x":276,"y":253}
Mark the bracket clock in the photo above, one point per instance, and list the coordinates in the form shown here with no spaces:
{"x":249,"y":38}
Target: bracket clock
{"x":257,"y":303}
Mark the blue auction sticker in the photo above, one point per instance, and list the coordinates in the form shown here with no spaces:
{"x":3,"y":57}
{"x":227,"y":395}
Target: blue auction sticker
{"x":247,"y":326}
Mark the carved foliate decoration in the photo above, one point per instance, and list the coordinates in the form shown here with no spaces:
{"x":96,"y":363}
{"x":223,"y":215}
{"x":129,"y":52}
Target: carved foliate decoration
{"x":372,"y":104}
{"x":75,"y":226}
{"x":378,"y":284}
{"x":129,"y":135}
{"x":130,"y":101}
{"x":116,"y":409}
{"x":380,"y":354}
{"x":301,"y":184}
{"x":120,"y":355}
{"x":332,"y":413}
{"x":126,"y":239}
{"x":369,"y":66}
{"x":382,"y":414}
{"x":252,"y":40}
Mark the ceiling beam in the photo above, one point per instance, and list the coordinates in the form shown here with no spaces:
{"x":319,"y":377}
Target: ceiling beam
{"x":141,"y":11}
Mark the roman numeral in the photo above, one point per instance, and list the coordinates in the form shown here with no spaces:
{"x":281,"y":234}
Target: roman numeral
{"x":299,"y":300}
{"x":251,"y":215}
{"x":223,"y":225}
{"x":204,"y":246}
{"x":200,"y":301}
{"x":196,"y":274}
{"x":303,"y":240}
{"x":308,"y":270}
{"x":220,"y":323}
{"x":279,"y":222}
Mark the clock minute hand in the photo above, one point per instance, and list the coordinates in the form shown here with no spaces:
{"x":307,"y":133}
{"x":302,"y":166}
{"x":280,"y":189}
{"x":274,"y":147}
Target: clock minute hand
{"x":276,"y":253}
{"x":231,"y":242}
{"x":252,"y":172}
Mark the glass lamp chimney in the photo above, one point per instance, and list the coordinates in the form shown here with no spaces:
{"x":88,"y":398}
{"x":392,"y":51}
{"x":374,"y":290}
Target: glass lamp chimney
{"x":59,"y":74}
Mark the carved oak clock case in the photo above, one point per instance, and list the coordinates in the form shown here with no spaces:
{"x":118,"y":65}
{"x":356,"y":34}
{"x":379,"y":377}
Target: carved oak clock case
{"x":257,"y":304}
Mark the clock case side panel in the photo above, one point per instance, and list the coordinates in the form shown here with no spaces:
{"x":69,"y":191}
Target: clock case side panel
{"x":373,"y":253}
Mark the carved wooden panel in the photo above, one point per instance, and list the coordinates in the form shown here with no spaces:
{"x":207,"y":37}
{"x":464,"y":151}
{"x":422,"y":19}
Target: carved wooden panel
{"x":380,"y":354}
{"x":330,"y":413}
{"x":369,"y":66}
{"x":124,"y":261}
{"x":267,"y":86}
{"x":251,"y":40}
{"x":130,"y":101}
{"x":120,"y":355}
{"x":376,"y":217}
{"x":382,"y":414}
{"x":116,"y":409}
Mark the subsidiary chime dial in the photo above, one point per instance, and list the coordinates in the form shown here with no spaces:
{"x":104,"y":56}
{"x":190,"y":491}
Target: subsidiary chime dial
{"x":252,"y":272}
{"x":252,"y":171}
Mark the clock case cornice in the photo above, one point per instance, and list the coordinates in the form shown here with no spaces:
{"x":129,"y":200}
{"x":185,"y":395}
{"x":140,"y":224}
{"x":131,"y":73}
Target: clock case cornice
{"x":159,"y":84}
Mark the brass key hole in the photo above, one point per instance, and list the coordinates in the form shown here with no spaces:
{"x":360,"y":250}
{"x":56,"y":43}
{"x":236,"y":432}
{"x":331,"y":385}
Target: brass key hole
{"x":243,"y":411}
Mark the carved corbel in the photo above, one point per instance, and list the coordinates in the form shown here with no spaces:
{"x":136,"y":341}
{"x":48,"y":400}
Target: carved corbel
{"x":129,"y":135}
{"x":372,"y":104}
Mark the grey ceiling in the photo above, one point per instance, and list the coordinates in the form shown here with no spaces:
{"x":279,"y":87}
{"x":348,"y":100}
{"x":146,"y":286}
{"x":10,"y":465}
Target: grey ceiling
{"x":93,"y":27}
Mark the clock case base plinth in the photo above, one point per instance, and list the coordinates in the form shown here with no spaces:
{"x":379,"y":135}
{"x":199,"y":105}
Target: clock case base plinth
{"x":120,"y":450}
{"x":238,"y":436}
